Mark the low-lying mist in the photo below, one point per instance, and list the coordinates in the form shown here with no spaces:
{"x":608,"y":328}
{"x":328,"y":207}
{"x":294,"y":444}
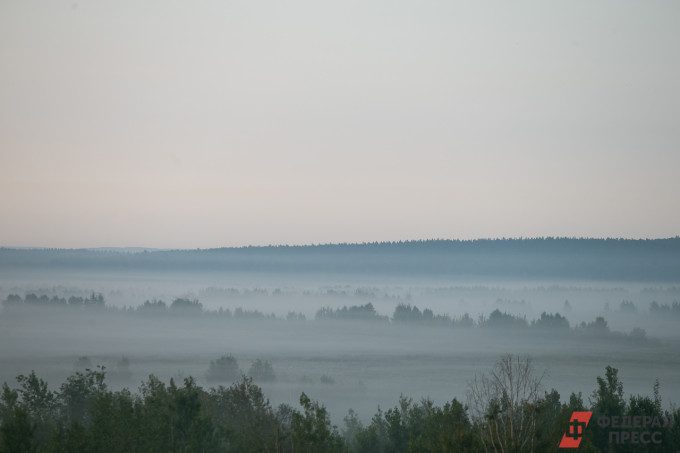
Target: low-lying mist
{"x":347,"y":346}
{"x":351,"y":325}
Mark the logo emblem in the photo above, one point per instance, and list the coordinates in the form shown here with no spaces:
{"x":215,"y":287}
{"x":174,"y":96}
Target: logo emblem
{"x":577,"y":425}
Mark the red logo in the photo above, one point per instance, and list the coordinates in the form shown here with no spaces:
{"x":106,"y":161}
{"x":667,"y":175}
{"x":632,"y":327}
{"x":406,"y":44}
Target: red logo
{"x":577,"y":424}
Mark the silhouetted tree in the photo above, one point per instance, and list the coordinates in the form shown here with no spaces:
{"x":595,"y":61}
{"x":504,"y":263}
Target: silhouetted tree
{"x":223,"y":369}
{"x":261,"y":370}
{"x":503,"y":405}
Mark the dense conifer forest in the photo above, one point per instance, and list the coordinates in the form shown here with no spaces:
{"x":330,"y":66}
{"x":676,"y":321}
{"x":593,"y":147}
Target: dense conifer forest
{"x":588,"y":259}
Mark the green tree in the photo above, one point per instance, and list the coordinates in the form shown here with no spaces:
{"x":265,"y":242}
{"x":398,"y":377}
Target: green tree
{"x":223,"y":369}
{"x":373,"y":438}
{"x":16,"y":431}
{"x":41,"y":404}
{"x":114,"y":426}
{"x":192,"y":429}
{"x":153,"y":416}
{"x":445,"y":429}
{"x":312,"y":430}
{"x":607,"y":400}
{"x":77,"y":393}
{"x":244,"y":417}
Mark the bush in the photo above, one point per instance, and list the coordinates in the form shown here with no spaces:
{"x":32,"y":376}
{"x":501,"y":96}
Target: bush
{"x":223,"y":369}
{"x":261,"y":370}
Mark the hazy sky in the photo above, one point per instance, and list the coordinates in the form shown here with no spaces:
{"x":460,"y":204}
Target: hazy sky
{"x":217,"y":123}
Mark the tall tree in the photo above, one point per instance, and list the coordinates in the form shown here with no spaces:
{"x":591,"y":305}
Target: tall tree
{"x":503,"y":405}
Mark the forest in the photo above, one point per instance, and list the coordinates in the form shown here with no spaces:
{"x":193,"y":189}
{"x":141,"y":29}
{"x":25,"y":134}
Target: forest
{"x":504,"y":411}
{"x":404,"y":314}
{"x":589,"y":259}
{"x":385,"y":347}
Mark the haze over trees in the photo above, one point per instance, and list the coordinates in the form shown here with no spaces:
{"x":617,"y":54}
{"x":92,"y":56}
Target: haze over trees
{"x":507,"y":410}
{"x":404,"y":314}
{"x":588,"y":259}
{"x":309,"y":348}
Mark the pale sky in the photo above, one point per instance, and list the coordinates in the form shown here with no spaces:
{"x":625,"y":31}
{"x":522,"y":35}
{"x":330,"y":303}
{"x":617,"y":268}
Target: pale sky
{"x":227,"y":123}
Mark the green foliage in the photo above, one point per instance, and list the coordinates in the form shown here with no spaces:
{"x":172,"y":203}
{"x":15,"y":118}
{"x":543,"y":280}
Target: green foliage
{"x":244,"y":417}
{"x":445,"y":429}
{"x":16,"y":431}
{"x":113,"y":427}
{"x":607,"y":400}
{"x":312,"y":430}
{"x":41,"y":405}
{"x":608,"y":397}
{"x":36,"y":396}
{"x":83,"y":415}
{"x":374,"y":438}
{"x":8,"y":401}
{"x":77,"y":393}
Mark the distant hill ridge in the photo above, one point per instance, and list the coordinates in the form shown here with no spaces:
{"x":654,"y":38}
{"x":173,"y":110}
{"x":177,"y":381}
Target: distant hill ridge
{"x":583,"y":258}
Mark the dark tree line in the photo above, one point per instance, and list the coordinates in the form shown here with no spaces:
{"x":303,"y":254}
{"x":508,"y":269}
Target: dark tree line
{"x":94,"y":300}
{"x":404,"y":314}
{"x":505,"y":411}
{"x":651,"y":260}
{"x":355,"y":312}
{"x":665,"y":309}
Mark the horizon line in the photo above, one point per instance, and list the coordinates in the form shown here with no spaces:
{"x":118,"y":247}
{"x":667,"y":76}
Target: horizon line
{"x":140,"y":249}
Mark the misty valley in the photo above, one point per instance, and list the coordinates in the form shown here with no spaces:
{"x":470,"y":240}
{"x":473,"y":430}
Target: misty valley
{"x":341,"y":339}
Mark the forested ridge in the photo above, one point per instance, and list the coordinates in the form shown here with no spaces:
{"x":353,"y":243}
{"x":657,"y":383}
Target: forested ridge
{"x":588,"y":259}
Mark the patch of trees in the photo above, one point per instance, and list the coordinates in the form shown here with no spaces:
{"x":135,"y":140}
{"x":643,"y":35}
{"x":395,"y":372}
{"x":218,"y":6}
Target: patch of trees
{"x":180,"y":306}
{"x":355,"y":312}
{"x":94,"y":300}
{"x":404,"y":314}
{"x":293,"y":316}
{"x":84,"y":415}
{"x":505,"y":410}
{"x":262,"y":371}
{"x":185,"y":306}
{"x":497,"y":319}
{"x":665,"y":309}
{"x":551,"y":322}
{"x":627,"y":306}
{"x":507,"y":322}
{"x":407,"y":314}
{"x":226,"y":370}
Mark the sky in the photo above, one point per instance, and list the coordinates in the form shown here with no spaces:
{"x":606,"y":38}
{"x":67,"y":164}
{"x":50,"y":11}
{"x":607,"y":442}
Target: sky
{"x":228,"y":123}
